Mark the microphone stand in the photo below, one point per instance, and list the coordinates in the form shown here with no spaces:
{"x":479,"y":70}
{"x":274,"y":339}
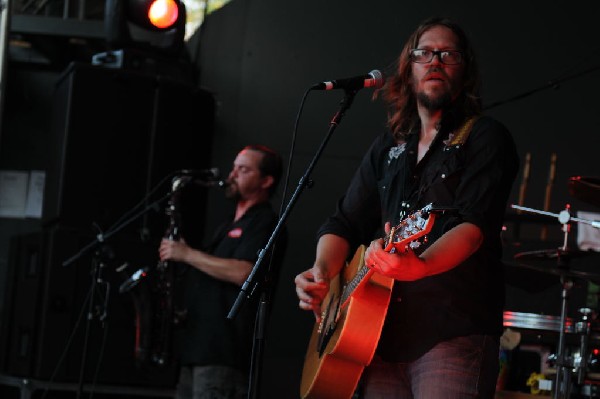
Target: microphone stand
{"x":250,"y":285}
{"x":96,"y":266}
{"x":100,"y":238}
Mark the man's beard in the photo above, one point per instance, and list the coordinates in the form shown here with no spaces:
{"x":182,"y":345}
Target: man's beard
{"x":434,"y":103}
{"x":231,"y":192}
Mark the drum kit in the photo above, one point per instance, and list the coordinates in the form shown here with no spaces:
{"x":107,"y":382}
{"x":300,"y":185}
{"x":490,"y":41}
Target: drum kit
{"x":574,"y":367}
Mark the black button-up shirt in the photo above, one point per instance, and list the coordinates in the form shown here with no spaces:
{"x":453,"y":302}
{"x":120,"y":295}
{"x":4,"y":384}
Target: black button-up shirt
{"x":208,"y":336}
{"x":474,"y":179}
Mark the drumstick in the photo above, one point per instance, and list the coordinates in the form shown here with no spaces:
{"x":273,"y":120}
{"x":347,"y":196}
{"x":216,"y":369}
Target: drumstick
{"x":551,"y":176}
{"x":524,"y":180}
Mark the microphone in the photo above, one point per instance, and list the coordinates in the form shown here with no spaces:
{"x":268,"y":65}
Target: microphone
{"x":204,"y":177}
{"x":213,"y":173}
{"x":133,"y":280}
{"x":373,"y":79}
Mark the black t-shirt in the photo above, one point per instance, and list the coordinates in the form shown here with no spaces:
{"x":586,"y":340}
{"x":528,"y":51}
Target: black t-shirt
{"x":208,"y":337}
{"x":475,"y":179}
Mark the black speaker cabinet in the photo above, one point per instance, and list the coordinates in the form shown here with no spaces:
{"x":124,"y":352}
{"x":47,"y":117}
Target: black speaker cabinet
{"x":114,"y":136}
{"x":49,"y":311}
{"x":118,"y":133}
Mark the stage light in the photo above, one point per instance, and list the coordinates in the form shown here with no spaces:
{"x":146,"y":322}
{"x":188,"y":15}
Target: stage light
{"x":145,"y":24}
{"x":163,"y":13}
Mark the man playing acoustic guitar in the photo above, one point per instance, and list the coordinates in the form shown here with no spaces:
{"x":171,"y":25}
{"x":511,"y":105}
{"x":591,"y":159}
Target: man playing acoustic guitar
{"x":442,"y":319}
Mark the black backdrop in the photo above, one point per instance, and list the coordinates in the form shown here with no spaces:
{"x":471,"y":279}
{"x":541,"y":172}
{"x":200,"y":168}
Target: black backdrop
{"x":258,"y":58}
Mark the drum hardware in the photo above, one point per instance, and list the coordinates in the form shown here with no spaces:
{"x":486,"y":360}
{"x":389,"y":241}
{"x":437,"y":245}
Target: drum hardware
{"x":582,"y":354}
{"x":579,"y":356}
{"x":582,"y":328}
{"x":590,"y":390}
{"x":562,"y":387}
{"x":564,"y":217}
{"x":594,"y":364}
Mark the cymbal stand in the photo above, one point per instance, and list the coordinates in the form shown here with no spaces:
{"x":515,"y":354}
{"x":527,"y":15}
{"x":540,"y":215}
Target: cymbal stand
{"x":562,"y":385}
{"x":563,"y":367}
{"x":583,"y":328}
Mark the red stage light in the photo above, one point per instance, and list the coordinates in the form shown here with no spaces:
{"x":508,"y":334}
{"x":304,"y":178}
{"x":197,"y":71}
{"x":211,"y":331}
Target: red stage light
{"x":163,"y":13}
{"x":149,"y":25}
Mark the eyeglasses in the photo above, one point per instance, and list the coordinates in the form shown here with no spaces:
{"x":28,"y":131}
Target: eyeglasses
{"x":423,"y":56}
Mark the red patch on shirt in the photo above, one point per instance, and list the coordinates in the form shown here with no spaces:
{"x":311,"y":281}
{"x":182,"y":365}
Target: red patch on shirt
{"x":235,"y":233}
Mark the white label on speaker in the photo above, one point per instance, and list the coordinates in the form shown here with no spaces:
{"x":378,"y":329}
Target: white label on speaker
{"x":13,"y":193}
{"x":35,"y":194}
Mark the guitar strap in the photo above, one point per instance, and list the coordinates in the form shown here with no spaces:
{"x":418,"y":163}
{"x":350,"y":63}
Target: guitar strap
{"x":454,"y":142}
{"x":462,"y":134}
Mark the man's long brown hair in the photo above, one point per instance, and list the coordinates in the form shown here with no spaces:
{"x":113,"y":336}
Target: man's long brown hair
{"x":398,"y":91}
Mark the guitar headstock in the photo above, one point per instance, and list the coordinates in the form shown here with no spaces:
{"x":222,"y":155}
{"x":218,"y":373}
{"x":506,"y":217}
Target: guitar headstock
{"x":410,"y":229}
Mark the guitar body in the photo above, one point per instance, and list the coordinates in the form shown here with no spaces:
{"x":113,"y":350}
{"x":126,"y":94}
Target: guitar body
{"x":354,"y":310}
{"x":345,"y":341}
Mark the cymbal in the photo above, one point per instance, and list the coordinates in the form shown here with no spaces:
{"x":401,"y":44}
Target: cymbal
{"x":553,"y":253}
{"x":555,"y":270}
{"x":586,"y":189}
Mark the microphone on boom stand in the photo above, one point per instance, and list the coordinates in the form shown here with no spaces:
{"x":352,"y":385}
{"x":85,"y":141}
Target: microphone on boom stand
{"x":203,"y":177}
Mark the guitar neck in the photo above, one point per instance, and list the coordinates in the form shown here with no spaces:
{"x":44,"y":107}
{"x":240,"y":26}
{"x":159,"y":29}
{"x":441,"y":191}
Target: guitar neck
{"x":360,"y":277}
{"x":401,"y":237}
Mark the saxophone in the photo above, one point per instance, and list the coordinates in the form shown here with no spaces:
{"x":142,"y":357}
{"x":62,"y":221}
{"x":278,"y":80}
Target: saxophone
{"x":165,"y":314}
{"x":154,"y":301}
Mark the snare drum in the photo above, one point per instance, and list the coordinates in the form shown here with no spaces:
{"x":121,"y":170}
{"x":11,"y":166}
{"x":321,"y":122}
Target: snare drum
{"x":536,"y":352}
{"x":538,"y":322}
{"x":538,"y":337}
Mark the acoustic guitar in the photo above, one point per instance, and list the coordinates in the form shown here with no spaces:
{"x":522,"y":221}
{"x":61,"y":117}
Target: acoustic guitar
{"x":354,"y":309}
